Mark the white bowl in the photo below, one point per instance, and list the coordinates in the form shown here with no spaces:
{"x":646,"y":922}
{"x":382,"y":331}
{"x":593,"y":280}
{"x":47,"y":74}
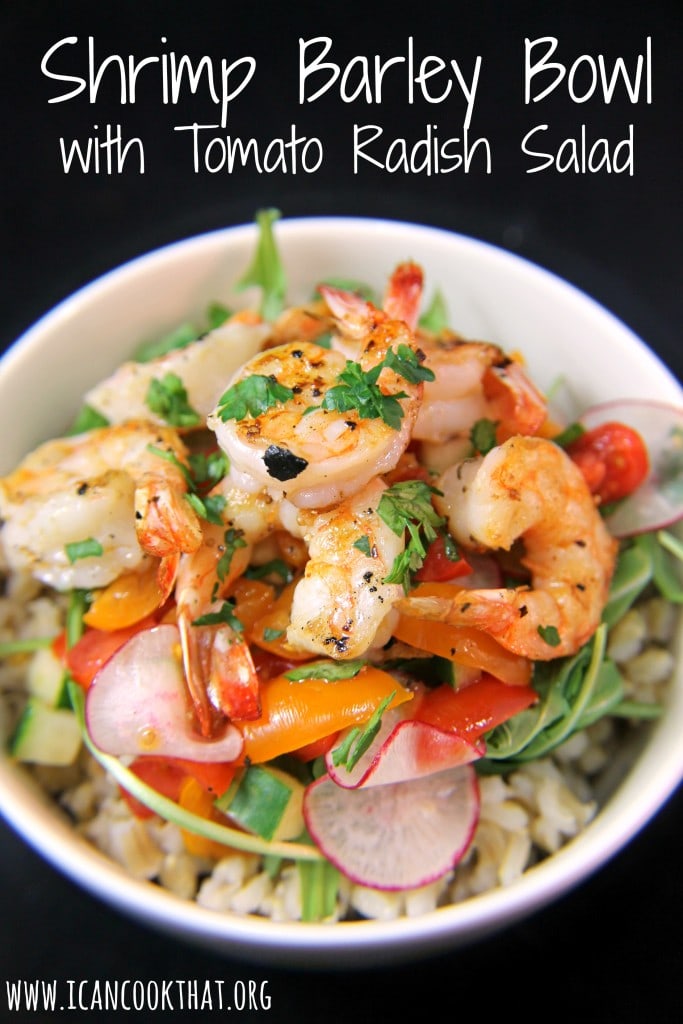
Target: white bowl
{"x":491,"y":295}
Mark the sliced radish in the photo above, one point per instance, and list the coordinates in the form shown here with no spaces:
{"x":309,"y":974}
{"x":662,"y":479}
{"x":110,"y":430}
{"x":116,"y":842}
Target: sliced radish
{"x":403,"y":749}
{"x":397,"y":836}
{"x":138,"y":703}
{"x":658,"y":502}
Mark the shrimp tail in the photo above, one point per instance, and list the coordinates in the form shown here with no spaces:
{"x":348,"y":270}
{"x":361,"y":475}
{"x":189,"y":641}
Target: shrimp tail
{"x":165,"y":522}
{"x":403,"y":297}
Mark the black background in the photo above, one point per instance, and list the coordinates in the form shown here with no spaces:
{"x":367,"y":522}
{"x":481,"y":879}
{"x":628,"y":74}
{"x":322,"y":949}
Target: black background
{"x":611,"y":950}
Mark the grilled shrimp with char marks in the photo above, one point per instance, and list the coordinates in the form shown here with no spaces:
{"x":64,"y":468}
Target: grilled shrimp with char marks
{"x":121,"y":487}
{"x":300,"y":446}
{"x":527,"y":489}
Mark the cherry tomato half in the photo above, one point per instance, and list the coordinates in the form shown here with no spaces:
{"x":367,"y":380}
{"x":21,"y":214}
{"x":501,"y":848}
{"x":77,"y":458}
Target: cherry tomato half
{"x":613,"y":459}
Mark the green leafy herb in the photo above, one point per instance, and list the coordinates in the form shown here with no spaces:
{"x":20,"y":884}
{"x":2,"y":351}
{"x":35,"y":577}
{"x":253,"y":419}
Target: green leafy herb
{"x":79,"y":602}
{"x":550,"y":635}
{"x":570,"y":434}
{"x":27,"y":646}
{"x":167,"y":398}
{"x":266,"y":270}
{"x":435,"y":317}
{"x":232,"y":541}
{"x":208,"y":469}
{"x":431,"y":670}
{"x":325,"y":669}
{"x":363,"y":545}
{"x":632,"y":574}
{"x":276,"y":567}
{"x":349,"y":284}
{"x":224,"y":616}
{"x":483,"y":436}
{"x":319,"y":883}
{"x":251,"y":396}
{"x":358,"y":740}
{"x":358,"y":389}
{"x":407,"y":505}
{"x":660,"y":549}
{"x":87,"y":419}
{"x":88,"y":548}
{"x":407,"y":364}
{"x":180,"y":337}
{"x":217,"y":314}
{"x":270,"y":634}
{"x":210,"y":507}
{"x":171,"y":457}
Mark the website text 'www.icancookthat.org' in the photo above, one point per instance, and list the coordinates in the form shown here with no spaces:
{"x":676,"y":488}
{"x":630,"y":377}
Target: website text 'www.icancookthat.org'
{"x":137,"y":995}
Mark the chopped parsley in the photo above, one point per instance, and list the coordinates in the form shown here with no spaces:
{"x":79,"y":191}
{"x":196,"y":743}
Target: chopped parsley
{"x":406,"y":362}
{"x":270,"y":634}
{"x":87,"y":419}
{"x":407,"y":505}
{"x":209,"y":507}
{"x":550,"y":635}
{"x":232,"y":540}
{"x":275,"y":567}
{"x":363,"y":545}
{"x":358,"y":389}
{"x":252,"y":396}
{"x":88,"y":548}
{"x":167,"y":398}
{"x":570,"y":434}
{"x":209,"y":469}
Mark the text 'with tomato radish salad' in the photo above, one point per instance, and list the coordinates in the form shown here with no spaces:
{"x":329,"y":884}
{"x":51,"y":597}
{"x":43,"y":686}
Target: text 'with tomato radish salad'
{"x":323,"y":612}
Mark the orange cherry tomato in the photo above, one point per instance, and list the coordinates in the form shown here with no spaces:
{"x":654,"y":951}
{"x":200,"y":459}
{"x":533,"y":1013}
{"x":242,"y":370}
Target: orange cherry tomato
{"x":253,"y":599}
{"x":297,"y":713}
{"x":613,"y":459}
{"x":159,"y":773}
{"x":270,"y":630}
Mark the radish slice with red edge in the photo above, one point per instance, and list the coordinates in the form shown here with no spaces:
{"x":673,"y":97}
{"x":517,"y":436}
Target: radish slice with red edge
{"x":403,"y":749}
{"x":138,"y":704}
{"x":658,"y":502}
{"x":398,"y":836}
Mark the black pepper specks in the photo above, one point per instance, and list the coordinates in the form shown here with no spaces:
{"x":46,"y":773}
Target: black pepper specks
{"x":283,"y":464}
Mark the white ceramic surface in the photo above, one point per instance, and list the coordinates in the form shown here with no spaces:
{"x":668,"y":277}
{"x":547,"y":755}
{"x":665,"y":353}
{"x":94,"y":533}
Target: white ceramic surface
{"x":490,"y":295}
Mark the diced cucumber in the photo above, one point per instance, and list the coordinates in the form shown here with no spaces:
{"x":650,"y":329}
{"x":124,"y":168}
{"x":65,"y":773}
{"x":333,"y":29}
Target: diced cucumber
{"x":45,"y":677}
{"x":267,"y":802}
{"x":46,"y":735}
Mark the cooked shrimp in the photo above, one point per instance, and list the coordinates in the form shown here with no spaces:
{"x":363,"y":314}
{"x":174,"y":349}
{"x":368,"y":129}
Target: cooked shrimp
{"x":316,"y":456}
{"x":219,"y":670}
{"x":474,"y":380}
{"x":342,"y":606}
{"x":202,"y":366}
{"x":119,"y":488}
{"x":527,"y":489}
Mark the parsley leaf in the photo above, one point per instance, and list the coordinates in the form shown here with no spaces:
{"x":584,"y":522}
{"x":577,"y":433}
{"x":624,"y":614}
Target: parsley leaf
{"x":363,"y":544}
{"x":89,"y":548}
{"x":266,"y":270}
{"x":571,"y":433}
{"x":87,"y":419}
{"x":209,"y":469}
{"x":407,"y":505}
{"x":180,"y":337}
{"x":406,"y":362}
{"x":232,"y":540}
{"x":550,"y":635}
{"x":270,"y":634}
{"x":483,"y":436}
{"x":252,"y":396}
{"x":167,"y":398}
{"x":174,"y":460}
{"x":276,"y":567}
{"x":209,"y":508}
{"x":358,"y":389}
{"x":225,"y":616}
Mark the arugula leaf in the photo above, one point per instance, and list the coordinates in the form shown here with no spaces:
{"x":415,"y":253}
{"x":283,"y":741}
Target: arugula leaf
{"x":167,"y":398}
{"x":483,"y":436}
{"x":632,"y":574}
{"x":252,"y":396}
{"x":357,"y":741}
{"x":435,"y":317}
{"x":407,"y":505}
{"x":87,"y":419}
{"x":266,"y":270}
{"x":325,"y":669}
{"x":224,"y":616}
{"x":88,"y":548}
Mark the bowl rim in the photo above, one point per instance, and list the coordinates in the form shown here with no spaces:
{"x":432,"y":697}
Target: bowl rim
{"x":312,"y":944}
